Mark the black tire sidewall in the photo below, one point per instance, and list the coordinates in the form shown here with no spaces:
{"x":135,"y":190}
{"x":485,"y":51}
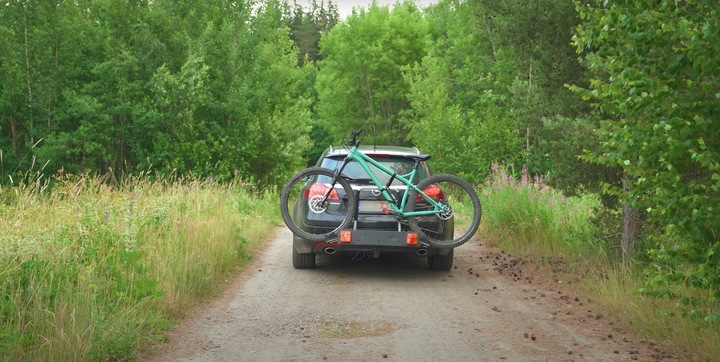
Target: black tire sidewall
{"x":465,"y":186}
{"x":285,"y":211}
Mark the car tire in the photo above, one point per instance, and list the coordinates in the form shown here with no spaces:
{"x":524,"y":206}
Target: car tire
{"x":303,"y":260}
{"x":439,"y":262}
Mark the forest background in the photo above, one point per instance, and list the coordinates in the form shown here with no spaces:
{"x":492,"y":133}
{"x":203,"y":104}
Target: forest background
{"x":614,"y":98}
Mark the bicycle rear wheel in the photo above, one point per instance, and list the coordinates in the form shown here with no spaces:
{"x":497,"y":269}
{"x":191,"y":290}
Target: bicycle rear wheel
{"x":457,"y":223}
{"x":313,"y":207}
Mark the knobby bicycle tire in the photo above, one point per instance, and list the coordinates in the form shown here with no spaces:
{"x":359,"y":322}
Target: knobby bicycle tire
{"x":462,"y":219}
{"x":305,"y":216}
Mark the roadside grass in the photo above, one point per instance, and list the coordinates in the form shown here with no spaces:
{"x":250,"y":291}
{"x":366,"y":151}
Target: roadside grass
{"x":525,"y":217}
{"x":526,"y":213}
{"x":91,"y":270}
{"x":617,"y":289}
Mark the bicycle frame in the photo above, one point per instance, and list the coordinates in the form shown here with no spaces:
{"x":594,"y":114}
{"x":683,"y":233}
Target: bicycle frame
{"x":397,"y":208}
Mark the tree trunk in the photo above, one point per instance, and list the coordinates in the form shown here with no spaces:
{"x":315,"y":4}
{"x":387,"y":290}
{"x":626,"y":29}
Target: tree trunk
{"x":13,"y":129}
{"x":371,"y":104}
{"x":631,"y":224}
{"x":52,"y":91}
{"x":27,"y":72}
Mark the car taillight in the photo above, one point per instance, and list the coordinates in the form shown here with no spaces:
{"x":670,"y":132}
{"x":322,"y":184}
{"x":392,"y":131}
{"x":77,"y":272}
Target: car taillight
{"x":345,"y":236}
{"x":320,"y":190}
{"x":411,"y":239}
{"x":434,"y":192}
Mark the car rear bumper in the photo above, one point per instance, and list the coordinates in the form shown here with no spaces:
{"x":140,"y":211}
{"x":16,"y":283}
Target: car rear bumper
{"x":376,"y":241}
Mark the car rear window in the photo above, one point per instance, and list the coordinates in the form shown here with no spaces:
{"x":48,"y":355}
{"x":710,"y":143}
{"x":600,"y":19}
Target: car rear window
{"x":401,"y":166}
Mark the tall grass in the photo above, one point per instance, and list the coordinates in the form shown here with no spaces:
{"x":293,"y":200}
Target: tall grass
{"x":525,"y":213}
{"x":90,"y":271}
{"x":617,"y":289}
{"x":524,"y":216}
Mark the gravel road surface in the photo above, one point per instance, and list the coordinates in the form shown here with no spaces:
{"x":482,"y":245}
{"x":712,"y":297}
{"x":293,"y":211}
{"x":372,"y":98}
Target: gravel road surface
{"x":490,"y":307}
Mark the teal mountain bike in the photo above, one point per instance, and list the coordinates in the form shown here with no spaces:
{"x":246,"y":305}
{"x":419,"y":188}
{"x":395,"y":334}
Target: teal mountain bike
{"x":317,"y":203}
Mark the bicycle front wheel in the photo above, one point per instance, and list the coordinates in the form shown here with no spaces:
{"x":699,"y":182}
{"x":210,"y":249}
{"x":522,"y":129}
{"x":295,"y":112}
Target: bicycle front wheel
{"x":316,"y":208}
{"x":459,"y":218}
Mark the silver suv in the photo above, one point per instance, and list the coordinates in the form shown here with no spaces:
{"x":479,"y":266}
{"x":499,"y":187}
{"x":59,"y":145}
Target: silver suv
{"x":374,"y":232}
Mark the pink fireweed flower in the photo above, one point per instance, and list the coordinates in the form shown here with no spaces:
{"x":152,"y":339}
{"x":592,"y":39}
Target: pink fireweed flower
{"x":525,"y":177}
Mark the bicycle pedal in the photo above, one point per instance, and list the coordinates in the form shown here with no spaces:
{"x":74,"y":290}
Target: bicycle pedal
{"x":384,"y":209}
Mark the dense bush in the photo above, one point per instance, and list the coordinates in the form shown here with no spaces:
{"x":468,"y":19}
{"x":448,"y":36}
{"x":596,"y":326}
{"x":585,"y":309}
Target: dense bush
{"x":655,"y":80}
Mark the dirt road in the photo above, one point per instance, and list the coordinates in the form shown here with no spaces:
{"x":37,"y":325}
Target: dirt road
{"x":490,"y":307}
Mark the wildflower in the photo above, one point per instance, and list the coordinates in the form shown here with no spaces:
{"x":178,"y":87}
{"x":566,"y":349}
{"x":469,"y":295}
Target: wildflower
{"x":541,"y":184}
{"x":525,"y":178}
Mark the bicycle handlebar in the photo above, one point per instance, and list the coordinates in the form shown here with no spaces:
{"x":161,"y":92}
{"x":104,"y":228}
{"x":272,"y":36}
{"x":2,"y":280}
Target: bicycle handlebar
{"x":354,"y":135}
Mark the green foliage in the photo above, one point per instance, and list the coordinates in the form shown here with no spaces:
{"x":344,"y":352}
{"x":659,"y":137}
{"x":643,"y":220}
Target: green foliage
{"x":209,"y":89}
{"x":456,"y":114}
{"x":360,"y":81}
{"x":533,"y":61}
{"x":532,"y":55}
{"x":462,"y":143}
{"x":656,"y":80}
{"x":557,"y":152}
{"x":492,"y":89}
{"x":179,"y":141}
{"x":307,"y":26}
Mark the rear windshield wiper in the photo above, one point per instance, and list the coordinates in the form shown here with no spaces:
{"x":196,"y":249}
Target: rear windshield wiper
{"x":364,"y":180}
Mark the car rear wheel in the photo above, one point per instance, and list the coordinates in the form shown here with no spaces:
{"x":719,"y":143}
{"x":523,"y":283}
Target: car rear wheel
{"x":439,"y":262}
{"x":303,"y":260}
